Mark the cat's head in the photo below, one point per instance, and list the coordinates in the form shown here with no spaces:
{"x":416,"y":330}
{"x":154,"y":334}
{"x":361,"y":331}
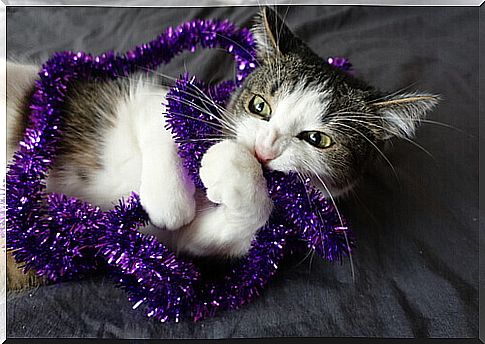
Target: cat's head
{"x":298,"y":113}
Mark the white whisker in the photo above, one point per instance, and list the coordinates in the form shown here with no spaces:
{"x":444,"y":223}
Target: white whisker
{"x":189,"y":103}
{"x":236,"y":43}
{"x":390,"y":131}
{"x":375,"y":146}
{"x":215,"y":126}
{"x":339,"y":216}
{"x":200,"y":140}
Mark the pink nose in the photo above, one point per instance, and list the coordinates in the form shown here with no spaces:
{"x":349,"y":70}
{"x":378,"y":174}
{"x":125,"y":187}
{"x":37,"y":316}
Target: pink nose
{"x":264,"y":158}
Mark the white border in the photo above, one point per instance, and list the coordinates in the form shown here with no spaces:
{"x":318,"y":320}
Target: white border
{"x":142,"y":3}
{"x":3,"y":137}
{"x":215,"y":3}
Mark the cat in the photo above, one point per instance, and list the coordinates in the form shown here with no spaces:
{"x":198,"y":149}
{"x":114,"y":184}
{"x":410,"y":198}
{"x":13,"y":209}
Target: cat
{"x":294,"y":112}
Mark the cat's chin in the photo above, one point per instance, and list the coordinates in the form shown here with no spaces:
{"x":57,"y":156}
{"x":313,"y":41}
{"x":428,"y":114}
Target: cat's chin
{"x":329,"y":190}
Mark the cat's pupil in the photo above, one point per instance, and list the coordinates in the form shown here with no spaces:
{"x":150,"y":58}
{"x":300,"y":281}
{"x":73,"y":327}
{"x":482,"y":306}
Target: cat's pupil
{"x":315,"y":137}
{"x":258,"y":106}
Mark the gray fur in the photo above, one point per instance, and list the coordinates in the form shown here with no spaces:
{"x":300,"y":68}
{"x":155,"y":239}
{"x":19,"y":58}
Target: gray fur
{"x":89,"y":109}
{"x":285,"y":61}
{"x":359,"y":116}
{"x":89,"y":112}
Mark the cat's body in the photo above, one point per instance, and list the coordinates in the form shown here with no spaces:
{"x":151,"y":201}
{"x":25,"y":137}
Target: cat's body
{"x":293,"y":113}
{"x":115,"y":142}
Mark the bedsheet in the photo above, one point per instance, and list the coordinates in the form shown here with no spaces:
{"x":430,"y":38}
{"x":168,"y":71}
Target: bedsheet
{"x":416,"y":265}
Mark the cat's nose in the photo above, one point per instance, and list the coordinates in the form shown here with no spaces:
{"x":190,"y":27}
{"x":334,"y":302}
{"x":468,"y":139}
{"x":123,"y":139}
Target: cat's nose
{"x":264,"y":158}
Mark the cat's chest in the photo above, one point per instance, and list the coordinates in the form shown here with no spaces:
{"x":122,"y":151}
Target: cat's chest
{"x":119,"y":152}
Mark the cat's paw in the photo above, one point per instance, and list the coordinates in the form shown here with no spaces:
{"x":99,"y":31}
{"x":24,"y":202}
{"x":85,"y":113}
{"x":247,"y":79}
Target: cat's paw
{"x":232,"y":175}
{"x":168,"y":208}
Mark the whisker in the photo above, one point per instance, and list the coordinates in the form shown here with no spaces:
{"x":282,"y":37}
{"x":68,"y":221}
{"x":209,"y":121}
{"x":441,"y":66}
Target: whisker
{"x":156,"y":72}
{"x":319,"y":215}
{"x":375,"y":146}
{"x":394,"y":93}
{"x":214,"y":125}
{"x":224,"y":111}
{"x":200,"y":140}
{"x":189,"y":103}
{"x":228,"y":115}
{"x":392,"y":132}
{"x":268,"y":57}
{"x":340,"y":219}
{"x":283,"y":21}
{"x":145,"y":81}
{"x":225,"y":115}
{"x":236,"y":43}
{"x":204,"y":101}
{"x":195,"y":87}
{"x":376,"y":99}
{"x":373,"y":116}
{"x":175,"y":79}
{"x":208,"y":101}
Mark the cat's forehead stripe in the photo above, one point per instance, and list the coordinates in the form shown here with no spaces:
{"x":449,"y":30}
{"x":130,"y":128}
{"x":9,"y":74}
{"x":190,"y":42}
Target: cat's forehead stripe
{"x":274,"y":87}
{"x":299,"y":107}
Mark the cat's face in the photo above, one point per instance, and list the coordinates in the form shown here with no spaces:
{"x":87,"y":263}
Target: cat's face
{"x":285,"y":113}
{"x":299,"y":114}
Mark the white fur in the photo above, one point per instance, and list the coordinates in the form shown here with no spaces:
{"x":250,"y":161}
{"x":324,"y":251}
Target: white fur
{"x":265,"y":47}
{"x":19,"y":79}
{"x":404,"y":119}
{"x":292,"y":113}
{"x":234,"y":180}
{"x":139,"y":155}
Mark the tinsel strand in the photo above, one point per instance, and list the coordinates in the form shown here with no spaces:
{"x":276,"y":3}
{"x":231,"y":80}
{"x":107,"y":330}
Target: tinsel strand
{"x":63,"y":238}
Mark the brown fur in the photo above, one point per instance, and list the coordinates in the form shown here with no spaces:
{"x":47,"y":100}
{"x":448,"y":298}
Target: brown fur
{"x":18,"y":280}
{"x":19,"y":122}
{"x":18,"y":99}
{"x":88,"y":111}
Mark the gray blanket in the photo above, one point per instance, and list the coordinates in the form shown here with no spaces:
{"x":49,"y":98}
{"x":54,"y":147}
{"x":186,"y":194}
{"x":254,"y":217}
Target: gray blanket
{"x":416,"y":265}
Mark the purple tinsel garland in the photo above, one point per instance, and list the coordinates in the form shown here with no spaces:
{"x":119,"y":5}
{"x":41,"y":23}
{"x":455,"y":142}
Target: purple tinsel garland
{"x":62,"y":238}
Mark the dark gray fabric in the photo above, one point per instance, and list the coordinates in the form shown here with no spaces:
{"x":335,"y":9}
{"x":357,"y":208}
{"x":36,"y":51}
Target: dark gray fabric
{"x":416,"y":267}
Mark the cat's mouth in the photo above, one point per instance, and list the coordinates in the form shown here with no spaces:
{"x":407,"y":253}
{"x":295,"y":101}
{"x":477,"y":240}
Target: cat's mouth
{"x":327,"y":186}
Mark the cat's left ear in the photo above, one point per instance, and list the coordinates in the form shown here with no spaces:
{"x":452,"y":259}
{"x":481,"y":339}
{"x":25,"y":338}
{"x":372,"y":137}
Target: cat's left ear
{"x":401,"y":114}
{"x":272,"y":36}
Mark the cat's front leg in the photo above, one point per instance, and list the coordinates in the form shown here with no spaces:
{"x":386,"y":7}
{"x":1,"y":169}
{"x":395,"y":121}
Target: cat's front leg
{"x":166,"y":191}
{"x":235,"y":184}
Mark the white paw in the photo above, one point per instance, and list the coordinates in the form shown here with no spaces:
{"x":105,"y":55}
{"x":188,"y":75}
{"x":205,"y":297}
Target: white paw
{"x":169,"y":208}
{"x":232,"y":175}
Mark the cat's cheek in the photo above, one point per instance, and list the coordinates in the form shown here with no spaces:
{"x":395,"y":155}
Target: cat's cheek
{"x":247,"y":131}
{"x":286,"y":162}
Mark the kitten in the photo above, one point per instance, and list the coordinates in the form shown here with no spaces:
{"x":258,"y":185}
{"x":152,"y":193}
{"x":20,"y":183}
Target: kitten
{"x":295,"y":112}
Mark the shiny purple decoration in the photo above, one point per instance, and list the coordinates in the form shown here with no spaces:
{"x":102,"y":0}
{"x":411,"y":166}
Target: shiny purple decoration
{"x":63,"y":238}
{"x":340,"y":62}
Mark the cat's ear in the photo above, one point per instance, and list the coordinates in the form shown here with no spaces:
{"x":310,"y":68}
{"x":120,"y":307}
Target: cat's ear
{"x":272,"y":35}
{"x":402,"y":113}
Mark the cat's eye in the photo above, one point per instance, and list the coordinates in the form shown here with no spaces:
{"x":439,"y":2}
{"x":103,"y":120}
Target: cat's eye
{"x":316,"y":138}
{"x":259,"y":106}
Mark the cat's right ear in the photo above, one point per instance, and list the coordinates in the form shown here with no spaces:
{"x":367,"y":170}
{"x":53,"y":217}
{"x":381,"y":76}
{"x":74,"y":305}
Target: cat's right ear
{"x":272,"y":36}
{"x":401,"y":113}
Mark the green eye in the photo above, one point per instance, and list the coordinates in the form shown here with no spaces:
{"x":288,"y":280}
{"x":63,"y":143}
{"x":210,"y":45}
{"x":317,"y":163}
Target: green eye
{"x":316,"y":138}
{"x":259,"y":106}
